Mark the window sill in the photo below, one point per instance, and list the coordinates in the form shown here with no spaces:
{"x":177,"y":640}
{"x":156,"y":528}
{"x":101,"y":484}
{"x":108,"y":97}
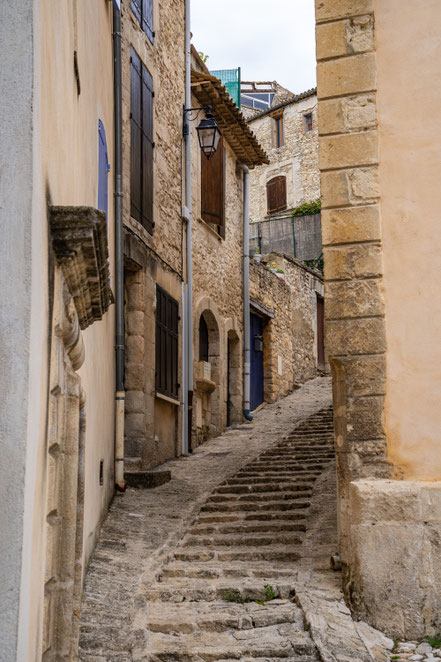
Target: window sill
{"x":210,"y":229}
{"x":166,"y":398}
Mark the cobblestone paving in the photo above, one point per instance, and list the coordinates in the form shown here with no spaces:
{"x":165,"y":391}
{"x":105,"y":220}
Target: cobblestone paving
{"x":180,"y":571}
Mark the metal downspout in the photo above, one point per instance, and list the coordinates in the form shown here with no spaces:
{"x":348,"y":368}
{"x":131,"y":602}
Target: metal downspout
{"x":188,"y":307}
{"x":119,"y":258}
{"x":246,"y":292}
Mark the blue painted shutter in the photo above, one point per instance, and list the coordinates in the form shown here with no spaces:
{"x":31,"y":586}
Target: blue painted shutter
{"x":102,"y":169}
{"x":136,"y":9}
{"x":147,"y":18}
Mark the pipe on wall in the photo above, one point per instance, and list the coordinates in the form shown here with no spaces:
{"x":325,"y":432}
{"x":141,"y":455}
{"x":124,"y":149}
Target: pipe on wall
{"x":119,"y":258}
{"x":246,"y":292}
{"x":187,"y":359}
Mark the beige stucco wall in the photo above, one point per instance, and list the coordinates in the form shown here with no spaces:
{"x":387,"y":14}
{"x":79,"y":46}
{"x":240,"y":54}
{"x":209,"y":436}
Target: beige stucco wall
{"x":410,"y":163}
{"x":297,"y":160}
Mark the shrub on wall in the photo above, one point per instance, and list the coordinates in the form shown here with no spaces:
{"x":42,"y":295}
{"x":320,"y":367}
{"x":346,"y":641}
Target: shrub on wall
{"x":308,"y":208}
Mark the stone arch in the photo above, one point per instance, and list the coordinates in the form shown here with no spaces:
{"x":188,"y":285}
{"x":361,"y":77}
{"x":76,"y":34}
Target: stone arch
{"x":209,"y":406}
{"x":233,"y":372}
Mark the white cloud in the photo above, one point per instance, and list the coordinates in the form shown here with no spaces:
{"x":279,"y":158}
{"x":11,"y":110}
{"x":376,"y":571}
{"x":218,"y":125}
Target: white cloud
{"x":269,"y":40}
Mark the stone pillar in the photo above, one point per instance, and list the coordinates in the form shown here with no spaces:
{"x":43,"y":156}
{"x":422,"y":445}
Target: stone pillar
{"x":389,"y":527}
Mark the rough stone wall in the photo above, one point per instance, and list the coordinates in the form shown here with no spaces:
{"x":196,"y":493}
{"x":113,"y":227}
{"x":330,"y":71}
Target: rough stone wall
{"x":297,"y":159}
{"x":218,"y":289}
{"x":152,"y":423}
{"x":305,"y":285}
{"x":292,"y":333}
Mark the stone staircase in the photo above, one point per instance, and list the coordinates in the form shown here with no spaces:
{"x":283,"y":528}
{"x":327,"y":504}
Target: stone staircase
{"x":228,"y":591}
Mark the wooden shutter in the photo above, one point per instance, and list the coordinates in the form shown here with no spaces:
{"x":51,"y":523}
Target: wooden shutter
{"x":147,"y":18}
{"x":276,"y":194}
{"x":136,"y":9}
{"x":147,"y":150}
{"x":166,"y":367}
{"x":212,"y":187}
{"x":135,"y":137}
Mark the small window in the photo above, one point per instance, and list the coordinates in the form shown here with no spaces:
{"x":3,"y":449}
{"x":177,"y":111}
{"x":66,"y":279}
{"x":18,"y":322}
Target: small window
{"x":141,"y":143}
{"x":279,"y":138}
{"x":308,"y":122}
{"x":143,"y":10}
{"x":276,"y":194}
{"x":203,"y":339}
{"x":167,"y":333}
{"x":213,"y":189}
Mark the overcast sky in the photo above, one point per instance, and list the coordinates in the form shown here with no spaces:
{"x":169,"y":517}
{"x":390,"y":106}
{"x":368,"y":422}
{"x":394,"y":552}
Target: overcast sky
{"x":269,"y":39}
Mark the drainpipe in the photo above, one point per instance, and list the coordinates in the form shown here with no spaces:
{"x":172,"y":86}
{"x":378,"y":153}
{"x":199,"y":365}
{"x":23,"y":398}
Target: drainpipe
{"x":187,"y":386}
{"x":246,"y":292}
{"x":119,"y":258}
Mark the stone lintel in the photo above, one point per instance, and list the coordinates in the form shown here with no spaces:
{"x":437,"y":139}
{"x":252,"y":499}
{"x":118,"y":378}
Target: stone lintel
{"x":79,"y":239}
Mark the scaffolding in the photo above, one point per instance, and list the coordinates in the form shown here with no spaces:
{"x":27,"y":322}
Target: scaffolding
{"x":230,"y":78}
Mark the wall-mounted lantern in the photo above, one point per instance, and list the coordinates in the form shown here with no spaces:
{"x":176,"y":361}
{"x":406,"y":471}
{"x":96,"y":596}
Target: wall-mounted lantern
{"x":208,"y":130}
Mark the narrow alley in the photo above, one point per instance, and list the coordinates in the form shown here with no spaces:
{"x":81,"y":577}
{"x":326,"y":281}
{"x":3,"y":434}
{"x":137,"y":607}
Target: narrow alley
{"x":231,"y":558}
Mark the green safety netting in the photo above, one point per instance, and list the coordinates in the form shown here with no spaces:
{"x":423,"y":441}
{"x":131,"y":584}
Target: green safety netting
{"x":230,"y":78}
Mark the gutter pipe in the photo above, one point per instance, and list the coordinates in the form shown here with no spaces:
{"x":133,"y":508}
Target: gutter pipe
{"x":119,"y":258}
{"x":246,"y":292}
{"x":187,"y":305}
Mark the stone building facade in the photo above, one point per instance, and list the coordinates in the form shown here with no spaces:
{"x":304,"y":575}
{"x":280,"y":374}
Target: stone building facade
{"x":218,"y":266}
{"x":56,"y":319}
{"x":153,"y":242}
{"x":288,"y":133}
{"x":288,"y":302}
{"x":379,"y":179}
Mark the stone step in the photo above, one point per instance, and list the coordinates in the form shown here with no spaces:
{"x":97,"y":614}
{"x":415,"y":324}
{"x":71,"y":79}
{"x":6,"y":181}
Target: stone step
{"x":291,"y":495}
{"x":249,"y":527}
{"x":270,"y":553}
{"x":290,"y":515}
{"x":227,"y":506}
{"x":147,"y":479}
{"x":197,"y":570}
{"x":177,"y":590}
{"x":270,"y":478}
{"x":291,"y":486}
{"x":243,"y":538}
{"x":277,"y":641}
{"x":132,"y":464}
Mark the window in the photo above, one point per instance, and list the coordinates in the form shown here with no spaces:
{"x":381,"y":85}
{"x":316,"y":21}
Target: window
{"x":279,"y":138}
{"x":103,"y":169}
{"x":143,"y":10}
{"x":276,"y":194}
{"x":203,"y":339}
{"x":308,"y":122}
{"x":141,"y":143}
{"x":213,"y":189}
{"x":167,"y":316}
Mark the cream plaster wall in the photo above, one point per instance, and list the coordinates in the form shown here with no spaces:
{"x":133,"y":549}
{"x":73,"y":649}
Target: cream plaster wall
{"x":67,"y":169}
{"x":409,"y":117}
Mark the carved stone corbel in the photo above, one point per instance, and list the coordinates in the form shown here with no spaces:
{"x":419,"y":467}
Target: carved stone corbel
{"x":79,"y":239}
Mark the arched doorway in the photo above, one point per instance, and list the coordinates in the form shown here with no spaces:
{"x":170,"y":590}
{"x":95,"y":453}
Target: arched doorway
{"x":207,"y":393}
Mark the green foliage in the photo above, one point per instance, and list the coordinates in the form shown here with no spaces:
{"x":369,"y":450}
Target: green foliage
{"x":313,"y":207}
{"x":204,"y":57}
{"x":270,"y":593}
{"x":434,"y":641}
{"x":234,"y":596}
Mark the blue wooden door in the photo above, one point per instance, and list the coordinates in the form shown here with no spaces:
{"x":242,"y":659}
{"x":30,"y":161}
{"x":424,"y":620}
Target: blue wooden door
{"x":256,"y":395}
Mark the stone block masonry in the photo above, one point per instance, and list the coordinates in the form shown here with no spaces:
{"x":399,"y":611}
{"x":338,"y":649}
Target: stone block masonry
{"x":386,"y":422}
